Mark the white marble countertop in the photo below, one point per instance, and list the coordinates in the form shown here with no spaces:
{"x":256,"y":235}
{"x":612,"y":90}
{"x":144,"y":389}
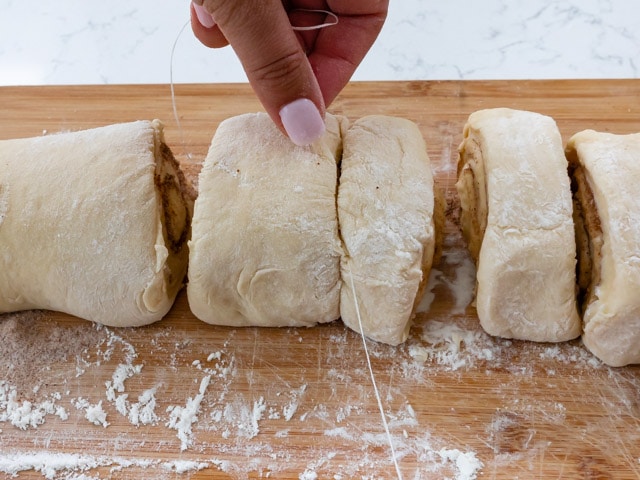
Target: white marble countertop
{"x":129,"y":41}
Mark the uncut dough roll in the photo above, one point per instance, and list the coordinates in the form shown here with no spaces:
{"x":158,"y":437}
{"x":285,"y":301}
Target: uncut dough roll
{"x":265,"y":249}
{"x":93,"y":223}
{"x":387,"y":217}
{"x":605,"y":173}
{"x":516,"y":216}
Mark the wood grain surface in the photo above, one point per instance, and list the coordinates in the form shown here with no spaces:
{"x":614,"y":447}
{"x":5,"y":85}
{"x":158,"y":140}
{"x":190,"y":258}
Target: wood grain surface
{"x":299,"y":403}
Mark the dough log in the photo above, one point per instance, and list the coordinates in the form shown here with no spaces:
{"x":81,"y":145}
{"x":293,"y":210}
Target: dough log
{"x":93,"y":223}
{"x":265,"y":249}
{"x":388,"y":218}
{"x":272,"y":245}
{"x":516,"y":216}
{"x":605,"y":174}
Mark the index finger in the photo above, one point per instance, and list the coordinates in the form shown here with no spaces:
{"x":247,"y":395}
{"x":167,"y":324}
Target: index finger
{"x":339,"y":49}
{"x":278,"y":70}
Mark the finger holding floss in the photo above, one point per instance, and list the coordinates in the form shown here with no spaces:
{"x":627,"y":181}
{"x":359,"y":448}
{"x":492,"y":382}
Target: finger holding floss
{"x":282,"y":53}
{"x":273,"y":59}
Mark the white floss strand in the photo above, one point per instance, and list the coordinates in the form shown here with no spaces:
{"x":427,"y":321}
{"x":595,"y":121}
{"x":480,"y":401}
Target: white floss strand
{"x":373,"y":378}
{"x":173,"y":93}
{"x":332,"y":19}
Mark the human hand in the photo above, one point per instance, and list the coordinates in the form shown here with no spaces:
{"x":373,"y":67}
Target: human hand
{"x":295,"y":74}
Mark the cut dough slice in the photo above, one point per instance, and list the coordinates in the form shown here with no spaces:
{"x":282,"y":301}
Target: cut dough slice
{"x":265,"y":249}
{"x":93,"y":223}
{"x":516,"y":216}
{"x":605,"y":172}
{"x":387,"y":222}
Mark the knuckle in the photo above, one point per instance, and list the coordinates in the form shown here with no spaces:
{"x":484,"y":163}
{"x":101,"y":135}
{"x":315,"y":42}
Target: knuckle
{"x":223,"y":11}
{"x":285,"y":69}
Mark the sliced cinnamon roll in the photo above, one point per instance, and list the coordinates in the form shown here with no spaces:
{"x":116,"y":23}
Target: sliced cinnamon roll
{"x":605,"y":173}
{"x":516,"y":216}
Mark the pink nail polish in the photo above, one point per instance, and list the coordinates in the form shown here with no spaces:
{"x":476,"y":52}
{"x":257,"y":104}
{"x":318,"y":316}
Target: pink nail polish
{"x":204,"y":17}
{"x":302,"y":121}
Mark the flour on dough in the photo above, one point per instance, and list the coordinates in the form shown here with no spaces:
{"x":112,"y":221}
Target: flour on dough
{"x":386,"y":211}
{"x":516,"y":216}
{"x":93,"y":223}
{"x":265,"y":249}
{"x":605,"y":170}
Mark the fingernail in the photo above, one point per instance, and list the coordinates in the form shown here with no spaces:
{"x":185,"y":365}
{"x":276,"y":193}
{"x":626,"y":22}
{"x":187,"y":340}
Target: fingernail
{"x":204,"y":17}
{"x":302,"y":121}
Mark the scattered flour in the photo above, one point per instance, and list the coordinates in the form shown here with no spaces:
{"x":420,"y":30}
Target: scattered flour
{"x":244,"y":418}
{"x":185,"y":466}
{"x":339,"y":432}
{"x":50,"y":465}
{"x":573,"y":355}
{"x":461,"y":284}
{"x":96,"y":415}
{"x":435,"y":279}
{"x":93,"y":412}
{"x":464,"y":282}
{"x":112,"y":341}
{"x":182,"y":418}
{"x":433,"y":459}
{"x":214,"y":356}
{"x":308,"y":475}
{"x":143,"y":411}
{"x":74,"y":466}
{"x":239,"y":417}
{"x":139,"y":413}
{"x":120,"y":375}
{"x":452,"y":346}
{"x":289,"y":410}
{"x":403,"y":418}
{"x":26,"y":414}
{"x":467,"y":464}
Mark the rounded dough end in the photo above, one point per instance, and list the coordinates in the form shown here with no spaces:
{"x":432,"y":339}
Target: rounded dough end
{"x":92,"y":204}
{"x":613,"y":338}
{"x":515,"y":298}
{"x":387,"y":213}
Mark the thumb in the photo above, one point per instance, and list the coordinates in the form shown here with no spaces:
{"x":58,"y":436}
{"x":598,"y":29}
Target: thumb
{"x":276,"y":66}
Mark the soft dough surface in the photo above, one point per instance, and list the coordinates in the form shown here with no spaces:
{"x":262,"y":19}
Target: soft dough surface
{"x":265,"y":249}
{"x":611,"y":166}
{"x":386,"y":214}
{"x":517,"y":218}
{"x":81,"y":224}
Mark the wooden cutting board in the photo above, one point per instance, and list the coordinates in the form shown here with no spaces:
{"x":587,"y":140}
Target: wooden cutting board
{"x":211,"y":402}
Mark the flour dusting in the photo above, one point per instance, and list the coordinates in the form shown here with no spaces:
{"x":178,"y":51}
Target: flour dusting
{"x":143,"y":411}
{"x":240,"y":403}
{"x":75,"y":466}
{"x":289,"y":410}
{"x":50,"y":465}
{"x":464,"y":282}
{"x":452,"y":346}
{"x":182,"y":418}
{"x":26,"y":414}
{"x":92,"y":412}
{"x":467,"y":464}
{"x":184,"y":466}
{"x":429,"y":295}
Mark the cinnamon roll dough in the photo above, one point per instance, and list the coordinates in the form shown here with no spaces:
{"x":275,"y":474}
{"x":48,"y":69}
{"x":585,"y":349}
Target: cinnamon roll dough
{"x":93,"y":223}
{"x":605,"y":171}
{"x":387,"y":217}
{"x":265,"y":249}
{"x":516,"y":215}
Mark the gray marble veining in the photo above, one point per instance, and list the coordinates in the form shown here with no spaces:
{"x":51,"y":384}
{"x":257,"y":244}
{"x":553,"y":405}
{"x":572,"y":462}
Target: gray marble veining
{"x":77,"y":42}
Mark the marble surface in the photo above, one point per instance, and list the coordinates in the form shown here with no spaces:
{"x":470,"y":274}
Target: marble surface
{"x":125,"y":41}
